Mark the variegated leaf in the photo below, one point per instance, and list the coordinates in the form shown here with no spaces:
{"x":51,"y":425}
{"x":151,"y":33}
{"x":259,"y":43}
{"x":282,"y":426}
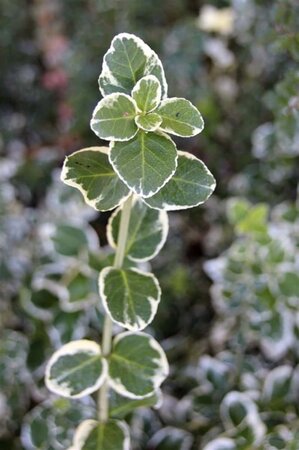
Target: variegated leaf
{"x":114,"y":118}
{"x":127,"y":61}
{"x":130,"y":296}
{"x":147,"y":93}
{"x":145,"y":163}
{"x":180,"y":117}
{"x":76,"y":369}
{"x":191,"y":185}
{"x":137,"y":365}
{"x":90,"y":171}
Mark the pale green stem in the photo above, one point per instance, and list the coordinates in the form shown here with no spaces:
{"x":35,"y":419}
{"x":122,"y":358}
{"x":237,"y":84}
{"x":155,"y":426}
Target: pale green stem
{"x":103,"y":397}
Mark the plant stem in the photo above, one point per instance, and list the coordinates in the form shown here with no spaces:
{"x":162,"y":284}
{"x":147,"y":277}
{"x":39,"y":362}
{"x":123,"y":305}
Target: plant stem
{"x":103,"y":396}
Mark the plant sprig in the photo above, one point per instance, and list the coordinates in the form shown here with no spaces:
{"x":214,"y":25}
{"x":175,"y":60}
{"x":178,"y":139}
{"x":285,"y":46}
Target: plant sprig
{"x":143,"y":175}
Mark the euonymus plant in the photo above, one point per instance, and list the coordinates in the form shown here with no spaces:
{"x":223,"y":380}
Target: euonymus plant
{"x":143,"y":175}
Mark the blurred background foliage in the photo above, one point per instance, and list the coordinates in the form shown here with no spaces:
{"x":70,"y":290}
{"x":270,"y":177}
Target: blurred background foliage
{"x":229,"y":319}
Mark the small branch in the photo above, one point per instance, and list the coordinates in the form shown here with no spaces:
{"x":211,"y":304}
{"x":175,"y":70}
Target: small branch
{"x":103,"y":396}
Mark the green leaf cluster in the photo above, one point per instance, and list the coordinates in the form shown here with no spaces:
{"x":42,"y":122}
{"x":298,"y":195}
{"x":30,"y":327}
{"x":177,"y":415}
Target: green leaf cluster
{"x":136,"y":116}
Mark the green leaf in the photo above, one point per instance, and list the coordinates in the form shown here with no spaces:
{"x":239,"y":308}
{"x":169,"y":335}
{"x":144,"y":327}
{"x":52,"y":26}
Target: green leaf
{"x":191,"y":185}
{"x":147,"y":231}
{"x":121,"y":406}
{"x":247,"y":218}
{"x":237,"y":210}
{"x":180,"y":117}
{"x":76,"y":369}
{"x":114,"y":118}
{"x":69,"y":240}
{"x":149,"y":122}
{"x":255,"y":221}
{"x":235,"y":408}
{"x":90,"y":171}
{"x":137,"y":365}
{"x":145,"y":163}
{"x":130,"y":297}
{"x":111,"y":435}
{"x":127,"y":61}
{"x":147,"y":93}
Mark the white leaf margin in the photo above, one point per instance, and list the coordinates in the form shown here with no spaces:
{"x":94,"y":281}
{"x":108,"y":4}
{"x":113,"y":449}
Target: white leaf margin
{"x":148,"y":52}
{"x":154,"y":303}
{"x":107,"y":101}
{"x":174,"y":207}
{"x":72,"y":183}
{"x":86,"y":427}
{"x":158,"y":377}
{"x":71,"y":348}
{"x":195,"y":130}
{"x":162,"y":219}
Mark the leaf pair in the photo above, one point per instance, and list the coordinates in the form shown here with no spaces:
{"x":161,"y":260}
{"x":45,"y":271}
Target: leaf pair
{"x":135,"y":369}
{"x":90,"y":171}
{"x":118,"y":117}
{"x":131,"y":297}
